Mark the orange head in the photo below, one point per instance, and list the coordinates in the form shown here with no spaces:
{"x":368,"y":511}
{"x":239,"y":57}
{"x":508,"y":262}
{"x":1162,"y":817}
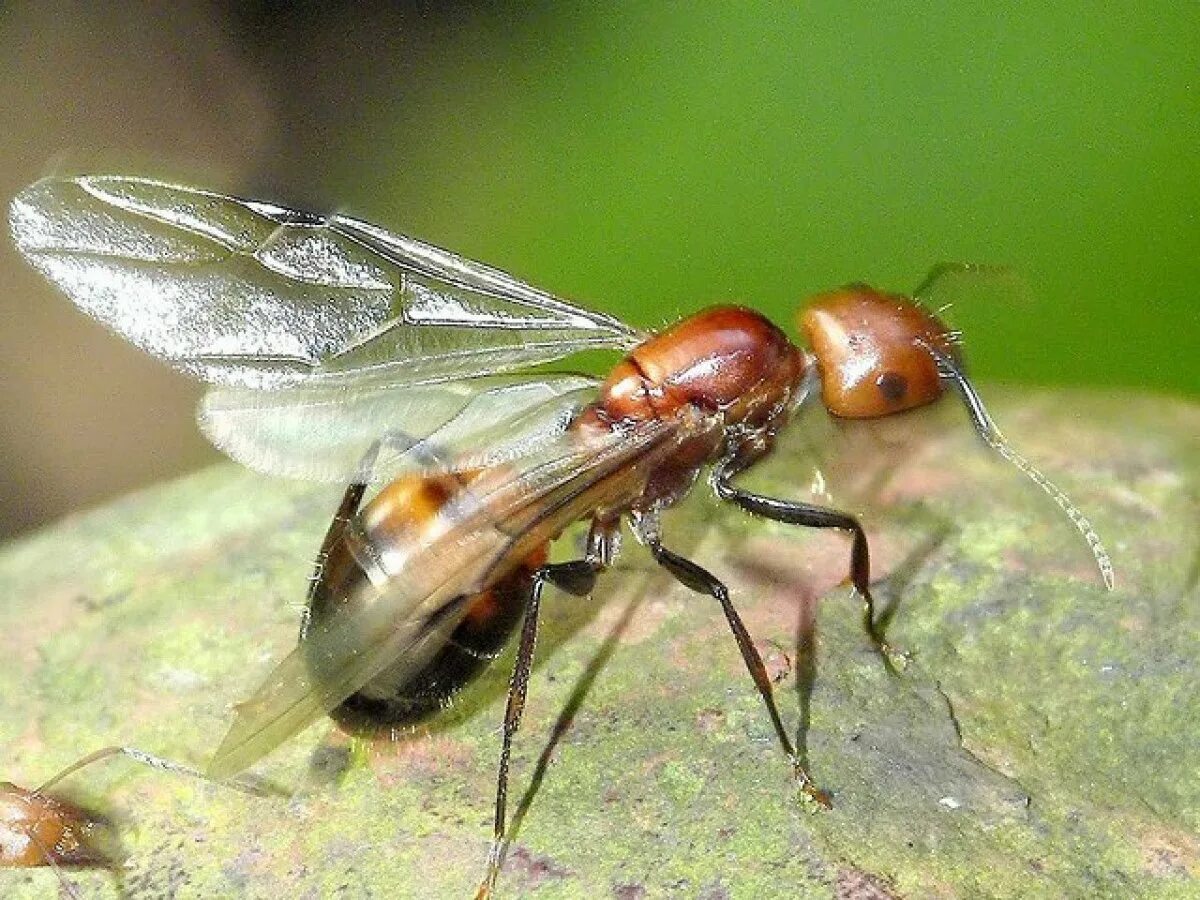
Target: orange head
{"x":873,"y":351}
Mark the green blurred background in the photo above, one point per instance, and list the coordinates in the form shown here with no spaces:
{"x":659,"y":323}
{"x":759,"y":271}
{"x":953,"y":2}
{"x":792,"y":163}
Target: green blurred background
{"x":646,"y":158}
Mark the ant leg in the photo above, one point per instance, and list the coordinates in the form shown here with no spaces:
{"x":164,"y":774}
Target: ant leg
{"x":692,"y":576}
{"x":792,"y":512}
{"x":350,"y":503}
{"x":578,"y":578}
{"x":351,"y":500}
{"x":146,"y":759}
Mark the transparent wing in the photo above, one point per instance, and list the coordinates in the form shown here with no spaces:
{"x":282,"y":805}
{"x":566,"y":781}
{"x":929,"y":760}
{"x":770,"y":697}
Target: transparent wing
{"x":504,"y":516}
{"x":849,"y":463}
{"x":320,"y":430}
{"x":245,"y":293}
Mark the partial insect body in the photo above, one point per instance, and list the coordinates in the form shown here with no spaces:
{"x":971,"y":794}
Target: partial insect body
{"x":362,"y":547}
{"x":724,"y":368}
{"x":339,"y":351}
{"x":37,"y":829}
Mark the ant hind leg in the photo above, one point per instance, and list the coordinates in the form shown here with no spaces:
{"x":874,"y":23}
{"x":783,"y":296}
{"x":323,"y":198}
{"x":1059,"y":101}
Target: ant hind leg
{"x":576,"y":577}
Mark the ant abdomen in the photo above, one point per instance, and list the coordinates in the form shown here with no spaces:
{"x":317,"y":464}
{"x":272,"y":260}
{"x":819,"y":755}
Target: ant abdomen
{"x":491,"y":618}
{"x":350,"y":578}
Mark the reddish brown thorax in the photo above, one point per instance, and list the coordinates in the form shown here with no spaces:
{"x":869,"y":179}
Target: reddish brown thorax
{"x":868,"y":349}
{"x":726,"y":359}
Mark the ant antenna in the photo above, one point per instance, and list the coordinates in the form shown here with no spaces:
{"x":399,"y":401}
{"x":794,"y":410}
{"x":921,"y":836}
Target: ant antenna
{"x":25,"y":812}
{"x":146,"y":759}
{"x":991,"y":435}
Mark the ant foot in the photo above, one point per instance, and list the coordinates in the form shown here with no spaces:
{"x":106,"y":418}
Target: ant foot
{"x":811,"y":795}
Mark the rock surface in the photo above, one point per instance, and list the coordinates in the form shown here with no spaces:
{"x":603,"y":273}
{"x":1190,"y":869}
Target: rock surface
{"x":1043,"y":741}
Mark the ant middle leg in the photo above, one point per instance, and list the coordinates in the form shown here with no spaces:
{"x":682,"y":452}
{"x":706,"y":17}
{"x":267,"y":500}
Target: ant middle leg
{"x":698,"y":579}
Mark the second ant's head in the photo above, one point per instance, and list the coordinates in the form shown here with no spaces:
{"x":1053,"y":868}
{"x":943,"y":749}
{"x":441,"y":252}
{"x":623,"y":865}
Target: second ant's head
{"x":873,"y":351}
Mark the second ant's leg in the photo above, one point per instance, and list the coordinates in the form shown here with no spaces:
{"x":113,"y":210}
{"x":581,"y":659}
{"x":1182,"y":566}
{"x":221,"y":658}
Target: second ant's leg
{"x":792,"y":512}
{"x":576,"y":577}
{"x":151,"y":761}
{"x":702,"y":581}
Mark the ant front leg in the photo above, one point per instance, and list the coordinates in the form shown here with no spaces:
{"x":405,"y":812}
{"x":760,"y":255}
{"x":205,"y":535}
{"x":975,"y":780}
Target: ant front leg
{"x":792,"y":512}
{"x":576,"y":577}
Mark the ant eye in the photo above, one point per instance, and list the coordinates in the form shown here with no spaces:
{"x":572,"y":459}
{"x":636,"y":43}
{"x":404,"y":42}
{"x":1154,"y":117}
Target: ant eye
{"x":893,"y":386}
{"x":871,"y":349}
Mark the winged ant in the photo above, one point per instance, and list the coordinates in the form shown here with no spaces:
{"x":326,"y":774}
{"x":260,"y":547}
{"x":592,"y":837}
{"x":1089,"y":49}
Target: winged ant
{"x":338,"y":351}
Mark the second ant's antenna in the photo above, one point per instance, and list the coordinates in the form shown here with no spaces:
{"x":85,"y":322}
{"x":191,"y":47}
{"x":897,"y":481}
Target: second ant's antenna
{"x":146,"y":759}
{"x":992,"y":436}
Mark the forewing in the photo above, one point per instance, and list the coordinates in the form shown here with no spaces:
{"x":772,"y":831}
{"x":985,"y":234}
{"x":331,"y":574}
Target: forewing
{"x":320,"y":430}
{"x":502,"y":516}
{"x":292,"y":697}
{"x":246,"y":293}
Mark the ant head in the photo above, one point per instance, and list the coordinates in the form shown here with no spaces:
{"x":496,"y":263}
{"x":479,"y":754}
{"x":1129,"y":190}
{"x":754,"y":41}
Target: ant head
{"x":37,"y":829}
{"x":873,"y":351}
{"x":879,"y":354}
